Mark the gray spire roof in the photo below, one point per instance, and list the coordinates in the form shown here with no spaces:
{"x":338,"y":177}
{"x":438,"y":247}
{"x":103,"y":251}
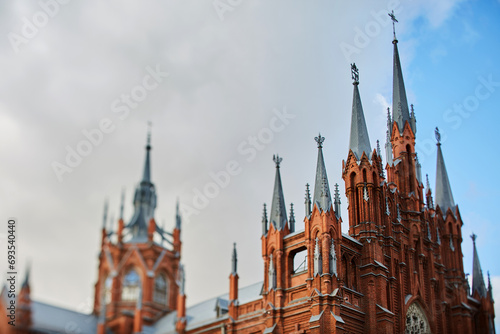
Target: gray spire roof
{"x":277,"y":215}
{"x":444,"y":197}
{"x":105,"y":213}
{"x":234,"y":261}
{"x":144,"y":202}
{"x":26,"y":281}
{"x":400,"y":110}
{"x":178,"y":219}
{"x":359,"y":141}
{"x":477,"y":273}
{"x":322,"y":197}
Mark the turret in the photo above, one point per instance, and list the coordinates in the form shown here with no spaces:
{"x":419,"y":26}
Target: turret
{"x":362,"y":169}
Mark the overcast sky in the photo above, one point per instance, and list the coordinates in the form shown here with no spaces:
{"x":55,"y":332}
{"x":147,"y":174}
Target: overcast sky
{"x":222,"y":75}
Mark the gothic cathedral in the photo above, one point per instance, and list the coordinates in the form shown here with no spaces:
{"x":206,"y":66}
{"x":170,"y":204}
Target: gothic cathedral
{"x":398,"y":269}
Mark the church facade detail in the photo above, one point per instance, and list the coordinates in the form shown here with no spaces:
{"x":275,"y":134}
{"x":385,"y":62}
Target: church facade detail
{"x":397,"y":269}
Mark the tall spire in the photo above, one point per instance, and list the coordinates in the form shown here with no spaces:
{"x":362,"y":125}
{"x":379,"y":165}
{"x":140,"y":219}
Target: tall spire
{"x":388,"y":144}
{"x":234,"y":261}
{"x":400,"y":111}
{"x":308,"y":201}
{"x":26,"y":281}
{"x":292,"y":219}
{"x":278,"y":210}
{"x":322,"y":197}
{"x":144,"y":201}
{"x":336,"y":201}
{"x":264,"y":220}
{"x":105,"y":213}
{"x":178,"y":219}
{"x":122,"y":203}
{"x":146,"y":176}
{"x":477,"y":273}
{"x":359,"y":141}
{"x":444,"y":197}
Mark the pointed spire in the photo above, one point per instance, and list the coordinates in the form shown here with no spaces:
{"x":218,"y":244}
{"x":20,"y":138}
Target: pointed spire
{"x":359,"y":141}
{"x":477,"y":273}
{"x":444,"y":197}
{"x":388,"y":144}
{"x":322,"y":197}
{"x":379,"y":153}
{"x":105,"y":214}
{"x":308,"y":201}
{"x":292,"y":219}
{"x":264,"y":220}
{"x":146,"y":176}
{"x":234,"y":261}
{"x":178,"y":219}
{"x":144,"y":202}
{"x":26,"y":282}
{"x":428,"y":193}
{"x":278,"y":210}
{"x":418,"y":167}
{"x":400,"y":111}
{"x":413,"y":120}
{"x":336,"y":201}
{"x":122,"y":203}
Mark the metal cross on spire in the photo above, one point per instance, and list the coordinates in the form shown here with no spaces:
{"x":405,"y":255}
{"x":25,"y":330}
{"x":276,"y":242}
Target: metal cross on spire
{"x":277,"y":160}
{"x":393,"y":18}
{"x":150,"y":125}
{"x":355,"y":73}
{"x":438,"y":135}
{"x":319,"y":140}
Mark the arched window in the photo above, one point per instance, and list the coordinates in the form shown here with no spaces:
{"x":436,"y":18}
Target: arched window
{"x":353,"y":279}
{"x":108,"y":285}
{"x":161,"y":290}
{"x":416,"y":321}
{"x":131,"y":286}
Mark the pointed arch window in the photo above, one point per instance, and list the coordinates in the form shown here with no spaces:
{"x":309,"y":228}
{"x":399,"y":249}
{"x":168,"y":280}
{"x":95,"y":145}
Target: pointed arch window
{"x":160,"y":295}
{"x":131,"y":286}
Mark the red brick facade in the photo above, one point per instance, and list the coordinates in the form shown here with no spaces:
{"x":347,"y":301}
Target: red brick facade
{"x":398,"y":269}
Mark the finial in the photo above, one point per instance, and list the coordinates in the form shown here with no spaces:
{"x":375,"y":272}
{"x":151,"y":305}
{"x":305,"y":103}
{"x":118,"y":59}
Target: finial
{"x":393,"y":18}
{"x":150,"y":125}
{"x":427,"y":184}
{"x":264,"y":213}
{"x":234,"y":260}
{"x":308,"y":192}
{"x":292,"y":213}
{"x":319,"y":139}
{"x":379,"y":153}
{"x":277,"y":160}
{"x":105,"y":213}
{"x":473,"y":237}
{"x":337,"y":193}
{"x":354,"y":74}
{"x":389,"y":120}
{"x":438,"y":135}
{"x":412,"y":114}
